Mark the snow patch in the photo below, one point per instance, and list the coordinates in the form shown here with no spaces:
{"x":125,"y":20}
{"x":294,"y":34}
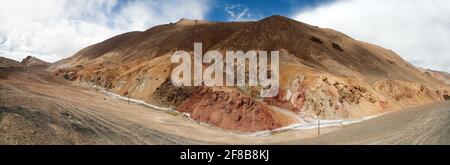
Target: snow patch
{"x":139,"y":102}
{"x":310,"y":124}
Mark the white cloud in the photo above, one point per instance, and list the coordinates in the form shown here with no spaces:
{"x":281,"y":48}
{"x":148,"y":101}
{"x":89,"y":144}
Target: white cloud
{"x":238,"y":12}
{"x":418,"y":30}
{"x":54,"y":29}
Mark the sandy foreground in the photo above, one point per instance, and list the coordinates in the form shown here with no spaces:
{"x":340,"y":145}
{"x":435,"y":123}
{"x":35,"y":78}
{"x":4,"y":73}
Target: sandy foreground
{"x":37,"y":108}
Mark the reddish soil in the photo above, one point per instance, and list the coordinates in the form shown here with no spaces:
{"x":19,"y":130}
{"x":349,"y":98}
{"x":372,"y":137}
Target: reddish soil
{"x":228,"y":110}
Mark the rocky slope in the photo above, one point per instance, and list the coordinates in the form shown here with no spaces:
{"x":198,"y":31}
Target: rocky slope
{"x":323,"y":73}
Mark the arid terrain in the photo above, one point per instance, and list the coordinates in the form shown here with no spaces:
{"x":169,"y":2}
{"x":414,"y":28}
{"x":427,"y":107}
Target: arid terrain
{"x":38,"y":108}
{"x":119,"y":92}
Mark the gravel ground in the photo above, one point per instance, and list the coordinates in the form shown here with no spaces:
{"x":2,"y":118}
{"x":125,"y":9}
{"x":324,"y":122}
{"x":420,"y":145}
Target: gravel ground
{"x":428,"y":124}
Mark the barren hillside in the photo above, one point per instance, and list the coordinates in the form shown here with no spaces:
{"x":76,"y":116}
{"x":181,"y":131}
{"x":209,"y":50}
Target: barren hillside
{"x":5,"y":63}
{"x":38,"y":108}
{"x":323,"y":73}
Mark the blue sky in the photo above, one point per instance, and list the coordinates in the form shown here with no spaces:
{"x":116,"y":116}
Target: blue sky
{"x":230,"y":10}
{"x":257,"y":9}
{"x":417,"y":30}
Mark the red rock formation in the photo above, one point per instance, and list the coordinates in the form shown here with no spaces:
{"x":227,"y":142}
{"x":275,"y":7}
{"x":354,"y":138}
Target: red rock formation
{"x":228,"y":110}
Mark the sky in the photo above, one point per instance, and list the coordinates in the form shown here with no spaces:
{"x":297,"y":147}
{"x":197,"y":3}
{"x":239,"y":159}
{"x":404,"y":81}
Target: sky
{"x":418,"y":30}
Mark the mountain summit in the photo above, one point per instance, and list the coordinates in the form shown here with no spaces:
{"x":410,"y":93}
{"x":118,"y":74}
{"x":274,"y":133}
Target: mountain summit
{"x":33,"y":61}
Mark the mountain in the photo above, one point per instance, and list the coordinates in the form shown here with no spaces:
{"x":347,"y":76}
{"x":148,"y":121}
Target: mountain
{"x":29,"y":61}
{"x":444,"y":77}
{"x":7,"y":63}
{"x":33,"y":61}
{"x":323,"y":73}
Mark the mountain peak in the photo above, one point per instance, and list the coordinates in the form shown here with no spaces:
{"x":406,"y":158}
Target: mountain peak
{"x":33,"y":61}
{"x":277,"y":18}
{"x":190,"y":22}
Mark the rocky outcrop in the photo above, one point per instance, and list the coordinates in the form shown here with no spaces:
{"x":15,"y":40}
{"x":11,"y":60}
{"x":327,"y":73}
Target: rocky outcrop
{"x":168,"y":94}
{"x":328,"y":97}
{"x":228,"y":110}
{"x":408,"y":94}
{"x":446,"y":97}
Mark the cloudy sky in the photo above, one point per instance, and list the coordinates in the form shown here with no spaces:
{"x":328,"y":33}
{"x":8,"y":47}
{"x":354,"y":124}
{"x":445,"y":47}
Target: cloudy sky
{"x":418,"y":30}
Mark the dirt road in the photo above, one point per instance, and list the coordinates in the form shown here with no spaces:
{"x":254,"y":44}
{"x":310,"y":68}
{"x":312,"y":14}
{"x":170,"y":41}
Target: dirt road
{"x":428,"y":124}
{"x":38,"y":108}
